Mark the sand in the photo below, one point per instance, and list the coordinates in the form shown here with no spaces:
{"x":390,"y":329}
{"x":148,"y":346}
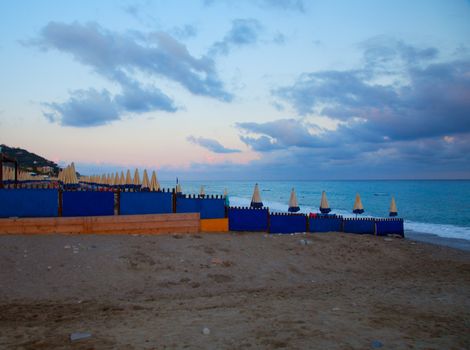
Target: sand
{"x":250,"y":291}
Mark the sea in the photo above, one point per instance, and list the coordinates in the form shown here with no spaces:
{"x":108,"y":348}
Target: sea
{"x":436,"y":211}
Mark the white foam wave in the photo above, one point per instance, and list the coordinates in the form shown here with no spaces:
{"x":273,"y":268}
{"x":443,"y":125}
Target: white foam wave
{"x":442,"y":230}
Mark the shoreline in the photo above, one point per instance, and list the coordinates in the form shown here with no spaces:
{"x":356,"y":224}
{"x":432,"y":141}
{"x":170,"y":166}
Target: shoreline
{"x":431,"y":238}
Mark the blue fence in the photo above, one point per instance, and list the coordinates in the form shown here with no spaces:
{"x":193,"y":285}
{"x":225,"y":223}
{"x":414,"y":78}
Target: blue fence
{"x":287,"y":223}
{"x":208,"y":207}
{"x":87,"y":203}
{"x":132,"y":203}
{"x":326,"y":223}
{"x":389,"y":226}
{"x":360,"y":226}
{"x":247,"y":219}
{"x":29,"y":203}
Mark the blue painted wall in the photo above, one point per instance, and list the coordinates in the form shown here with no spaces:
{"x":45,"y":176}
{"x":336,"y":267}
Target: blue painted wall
{"x":87,"y":203}
{"x":133,"y":203}
{"x":326,"y":224}
{"x":247,"y":219}
{"x":287,"y":223}
{"x":209,"y":208}
{"x":390,"y":226}
{"x":360,"y":226}
{"x":29,"y":203}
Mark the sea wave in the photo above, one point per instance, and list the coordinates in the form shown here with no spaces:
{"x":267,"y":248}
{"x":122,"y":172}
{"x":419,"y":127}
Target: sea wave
{"x":442,"y":230}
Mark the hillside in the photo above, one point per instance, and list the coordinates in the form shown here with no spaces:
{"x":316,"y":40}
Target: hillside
{"x":29,"y":161}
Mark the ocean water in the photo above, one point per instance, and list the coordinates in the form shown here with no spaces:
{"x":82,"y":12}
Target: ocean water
{"x":440,"y":207}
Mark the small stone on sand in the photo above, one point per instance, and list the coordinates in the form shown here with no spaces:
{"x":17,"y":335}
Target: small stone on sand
{"x":79,"y":336}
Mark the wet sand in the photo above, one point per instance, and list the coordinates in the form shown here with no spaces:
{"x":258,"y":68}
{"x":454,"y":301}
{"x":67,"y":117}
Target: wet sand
{"x":250,"y":290}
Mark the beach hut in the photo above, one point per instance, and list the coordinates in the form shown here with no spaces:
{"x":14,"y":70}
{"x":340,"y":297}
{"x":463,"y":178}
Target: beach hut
{"x":324,"y":206}
{"x":256,"y":199}
{"x":393,"y":208}
{"x":145,"y":181}
{"x":358,"y":208}
{"x":293,"y":204}
{"x":154,"y":185}
{"x":201,"y":192}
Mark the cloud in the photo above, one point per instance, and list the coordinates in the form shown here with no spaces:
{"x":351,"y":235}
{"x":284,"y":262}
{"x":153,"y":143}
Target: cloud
{"x":244,"y":32}
{"x":281,"y":134}
{"x":211,"y":145}
{"x":427,"y":99}
{"x":121,"y":58}
{"x":292,"y":5}
{"x":282,"y":5}
{"x":84,"y":108}
{"x":403,"y":114}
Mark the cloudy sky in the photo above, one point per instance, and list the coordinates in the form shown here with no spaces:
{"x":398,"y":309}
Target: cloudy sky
{"x":247,"y":89}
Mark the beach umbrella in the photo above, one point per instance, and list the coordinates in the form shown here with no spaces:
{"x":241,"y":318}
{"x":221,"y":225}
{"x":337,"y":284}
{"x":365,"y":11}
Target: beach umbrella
{"x":136,"y":178}
{"x":116,"y":180}
{"x":103,"y":179}
{"x":122,"y":180}
{"x":145,"y":181}
{"x":128,"y":179}
{"x":393,"y":208}
{"x":201,"y":191}
{"x":324,"y":206}
{"x":178,"y":187}
{"x":73,"y":177}
{"x":227,"y":201}
{"x":256,"y":199}
{"x":358,"y":208}
{"x":154,"y":185}
{"x":293,"y":204}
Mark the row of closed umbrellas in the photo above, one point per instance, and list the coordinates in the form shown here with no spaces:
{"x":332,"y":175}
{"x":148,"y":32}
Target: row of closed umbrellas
{"x":358,"y":208}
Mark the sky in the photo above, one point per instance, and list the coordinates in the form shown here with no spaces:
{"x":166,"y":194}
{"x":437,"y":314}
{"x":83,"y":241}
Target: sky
{"x":240,"y":90}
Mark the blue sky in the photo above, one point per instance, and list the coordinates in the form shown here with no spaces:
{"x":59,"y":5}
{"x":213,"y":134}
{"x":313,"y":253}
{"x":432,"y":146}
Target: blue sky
{"x":261,"y":89}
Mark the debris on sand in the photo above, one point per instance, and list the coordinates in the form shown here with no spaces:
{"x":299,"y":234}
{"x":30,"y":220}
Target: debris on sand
{"x":79,"y":336}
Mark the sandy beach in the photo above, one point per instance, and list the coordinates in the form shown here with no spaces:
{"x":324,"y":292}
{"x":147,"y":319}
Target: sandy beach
{"x":334,"y":291}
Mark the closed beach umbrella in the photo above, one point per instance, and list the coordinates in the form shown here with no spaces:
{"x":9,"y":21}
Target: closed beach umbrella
{"x":293,"y":204}
{"x":358,"y":208}
{"x":154,"y":185}
{"x":122,"y":180}
{"x":116,"y":180}
{"x":136,"y":178}
{"x":393,"y":208}
{"x":324,"y":206}
{"x":145,"y":181}
{"x":256,"y":199}
{"x":201,"y":191}
{"x":227,"y":201}
{"x":128,"y":179}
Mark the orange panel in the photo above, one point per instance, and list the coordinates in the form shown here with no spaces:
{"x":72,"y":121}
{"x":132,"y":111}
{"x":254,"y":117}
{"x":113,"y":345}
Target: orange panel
{"x":214,"y":225}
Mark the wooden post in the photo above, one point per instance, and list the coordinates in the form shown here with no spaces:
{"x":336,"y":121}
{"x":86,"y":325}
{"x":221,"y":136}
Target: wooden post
{"x":174,"y":199}
{"x":60,"y":201}
{"x":1,"y":170}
